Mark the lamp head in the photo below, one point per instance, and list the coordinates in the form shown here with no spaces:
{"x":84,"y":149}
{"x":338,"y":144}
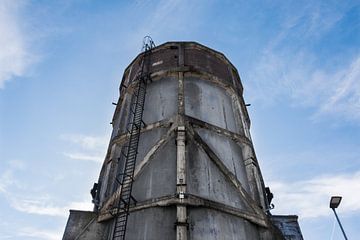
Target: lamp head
{"x":335,"y":201}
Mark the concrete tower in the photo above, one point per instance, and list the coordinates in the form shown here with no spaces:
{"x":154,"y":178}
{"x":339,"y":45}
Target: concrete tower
{"x":196,"y":174}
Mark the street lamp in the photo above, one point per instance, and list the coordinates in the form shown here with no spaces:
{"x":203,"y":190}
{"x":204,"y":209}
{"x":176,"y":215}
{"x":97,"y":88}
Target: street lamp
{"x":334,"y":203}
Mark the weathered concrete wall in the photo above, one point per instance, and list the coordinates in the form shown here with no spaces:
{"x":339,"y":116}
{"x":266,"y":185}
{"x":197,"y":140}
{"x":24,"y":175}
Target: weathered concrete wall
{"x":206,"y":180}
{"x":211,"y":225}
{"x":288,"y":225}
{"x":196,"y":174}
{"x":161,"y":100}
{"x":83,"y":225}
{"x":161,"y":225}
{"x":230,"y":152}
{"x":150,"y":184}
{"x":209,"y":103}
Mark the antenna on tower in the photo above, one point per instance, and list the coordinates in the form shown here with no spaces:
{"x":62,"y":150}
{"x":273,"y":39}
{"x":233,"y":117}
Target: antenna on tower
{"x":148,"y":44}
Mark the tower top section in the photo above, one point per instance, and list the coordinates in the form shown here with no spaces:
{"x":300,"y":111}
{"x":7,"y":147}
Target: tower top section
{"x":170,"y":58}
{"x":188,"y":45}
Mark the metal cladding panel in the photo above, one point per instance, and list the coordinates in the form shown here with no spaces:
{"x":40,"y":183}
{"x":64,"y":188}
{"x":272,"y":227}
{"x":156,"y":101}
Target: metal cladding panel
{"x":160,"y":103}
{"x":214,"y":225}
{"x":157,"y":179}
{"x":108,"y":179}
{"x":148,"y":140}
{"x":209,"y":103}
{"x":207,"y":62}
{"x":205,"y":180}
{"x":161,"y":100}
{"x":160,"y":60}
{"x":119,"y":122}
{"x":152,"y":224}
{"x":228,"y":151}
{"x":134,"y":70}
{"x":105,"y":183}
{"x":165,"y":59}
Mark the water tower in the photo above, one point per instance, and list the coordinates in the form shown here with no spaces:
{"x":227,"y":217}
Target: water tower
{"x":180,"y":162}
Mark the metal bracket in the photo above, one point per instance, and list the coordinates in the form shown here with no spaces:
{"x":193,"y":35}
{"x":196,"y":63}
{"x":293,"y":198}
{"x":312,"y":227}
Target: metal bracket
{"x":181,"y":195}
{"x":134,"y":199}
{"x":186,"y":224}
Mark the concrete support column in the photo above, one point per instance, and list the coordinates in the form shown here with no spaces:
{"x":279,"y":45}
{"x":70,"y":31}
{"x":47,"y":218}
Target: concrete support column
{"x":181,"y":225}
{"x":181,"y":101}
{"x":181,"y":214}
{"x":181,"y":211}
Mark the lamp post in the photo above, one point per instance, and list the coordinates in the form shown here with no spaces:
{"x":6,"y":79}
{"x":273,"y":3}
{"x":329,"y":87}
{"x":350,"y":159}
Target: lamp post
{"x":334,"y":203}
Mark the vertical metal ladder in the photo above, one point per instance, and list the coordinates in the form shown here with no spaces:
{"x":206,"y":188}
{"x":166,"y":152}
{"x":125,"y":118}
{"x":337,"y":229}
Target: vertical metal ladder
{"x":135,"y":124}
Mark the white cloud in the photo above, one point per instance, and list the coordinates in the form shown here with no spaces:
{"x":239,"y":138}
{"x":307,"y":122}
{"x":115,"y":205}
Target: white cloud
{"x":15,"y":56}
{"x":311,"y":198}
{"x":40,"y":233}
{"x":345,"y":96}
{"x":17,"y":164}
{"x":168,"y":18}
{"x":39,"y":204}
{"x":14,"y":191}
{"x":309,"y":21}
{"x":88,"y":148}
{"x":332,"y":93}
{"x":38,"y":207}
{"x":86,"y":141}
{"x":46,"y":206}
{"x":7,"y":178}
{"x":293,"y":72}
{"x":85,"y":157}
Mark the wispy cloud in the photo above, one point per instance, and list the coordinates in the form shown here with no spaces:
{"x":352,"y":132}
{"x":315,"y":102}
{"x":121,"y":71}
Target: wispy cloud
{"x":6,"y":180}
{"x":345,"y":97}
{"x":172,"y":18}
{"x":296,"y":73}
{"x":330,"y":93}
{"x":18,"y":198}
{"x":39,"y":233}
{"x":31,"y":206}
{"x":15,"y":56}
{"x":310,"y":198}
{"x":86,"y":141}
{"x":85,"y":157}
{"x":87,"y":148}
{"x":7,"y":177}
{"x":46,"y":206}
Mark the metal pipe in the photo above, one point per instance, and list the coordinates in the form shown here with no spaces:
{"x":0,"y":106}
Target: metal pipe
{"x":342,"y":229}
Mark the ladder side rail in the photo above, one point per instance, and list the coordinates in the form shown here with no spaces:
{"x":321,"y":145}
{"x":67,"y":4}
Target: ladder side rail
{"x":132,"y":147}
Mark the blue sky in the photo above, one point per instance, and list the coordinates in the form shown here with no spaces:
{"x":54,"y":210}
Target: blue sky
{"x":61,"y":63}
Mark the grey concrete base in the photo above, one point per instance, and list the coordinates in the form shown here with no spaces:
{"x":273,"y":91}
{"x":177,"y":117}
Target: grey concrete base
{"x":83,"y":225}
{"x":288,"y":225}
{"x":152,"y":224}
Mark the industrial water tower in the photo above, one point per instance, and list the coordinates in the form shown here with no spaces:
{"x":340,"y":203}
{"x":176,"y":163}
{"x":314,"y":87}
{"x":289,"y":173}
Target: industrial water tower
{"x":180,"y":162}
